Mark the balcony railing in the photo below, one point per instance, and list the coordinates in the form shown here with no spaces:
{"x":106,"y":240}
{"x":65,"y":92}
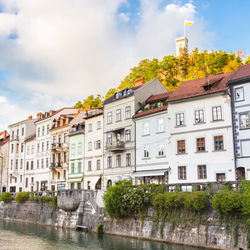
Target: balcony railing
{"x":56,"y":146}
{"x":15,"y":138}
{"x":52,"y":165}
{"x":58,"y":165}
{"x":117,"y":146}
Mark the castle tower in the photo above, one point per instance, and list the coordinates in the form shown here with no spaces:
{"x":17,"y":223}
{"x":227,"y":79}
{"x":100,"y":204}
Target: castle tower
{"x":181,"y":43}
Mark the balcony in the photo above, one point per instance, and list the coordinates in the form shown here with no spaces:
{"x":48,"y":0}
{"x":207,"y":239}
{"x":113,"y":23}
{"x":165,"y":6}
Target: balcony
{"x":15,"y":138}
{"x":58,"y":165}
{"x":116,"y":147}
{"x":53,"y":165}
{"x":56,"y":146}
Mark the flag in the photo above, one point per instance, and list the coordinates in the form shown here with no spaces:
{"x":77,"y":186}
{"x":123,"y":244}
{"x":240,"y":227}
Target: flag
{"x":188,"y":23}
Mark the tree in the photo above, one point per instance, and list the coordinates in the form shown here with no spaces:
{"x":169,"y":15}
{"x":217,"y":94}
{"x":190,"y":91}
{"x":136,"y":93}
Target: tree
{"x":184,"y":63}
{"x":248,"y":60}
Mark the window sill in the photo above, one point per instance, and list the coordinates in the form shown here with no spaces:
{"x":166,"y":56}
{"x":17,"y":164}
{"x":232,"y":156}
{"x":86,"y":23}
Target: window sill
{"x":200,"y":152}
{"x":163,"y":156}
{"x":222,"y":120}
{"x":146,"y":158}
{"x":128,"y":118}
{"x":182,"y":154}
{"x":118,"y":121}
{"x":199,"y":123}
{"x":146,"y":135}
{"x":244,"y":128}
{"x":161,"y":132}
{"x":223,"y":150}
{"x":180,"y":126}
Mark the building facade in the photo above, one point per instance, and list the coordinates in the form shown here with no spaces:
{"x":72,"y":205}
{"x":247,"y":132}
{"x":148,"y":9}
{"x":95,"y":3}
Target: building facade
{"x":4,"y":160}
{"x":201,"y":135}
{"x":152,"y":141}
{"x":240,"y":95}
{"x":19,"y":132}
{"x":119,"y":129}
{"x":93,"y":172}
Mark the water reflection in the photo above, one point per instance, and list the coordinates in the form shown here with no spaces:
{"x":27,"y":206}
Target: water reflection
{"x":15,"y":235}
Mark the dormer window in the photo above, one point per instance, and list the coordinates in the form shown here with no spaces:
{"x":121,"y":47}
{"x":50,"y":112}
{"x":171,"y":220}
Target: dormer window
{"x":239,"y":94}
{"x":207,"y":87}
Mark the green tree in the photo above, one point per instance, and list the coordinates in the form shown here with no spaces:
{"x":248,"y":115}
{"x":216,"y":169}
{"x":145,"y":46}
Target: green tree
{"x":248,"y":60}
{"x":184,"y":63}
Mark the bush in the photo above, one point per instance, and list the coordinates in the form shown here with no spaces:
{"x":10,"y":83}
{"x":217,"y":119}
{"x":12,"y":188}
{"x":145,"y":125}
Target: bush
{"x":197,"y":200}
{"x":22,"y":197}
{"x":6,"y":197}
{"x":174,"y":200}
{"x":99,"y":229}
{"x":227,"y":202}
{"x":245,"y":186}
{"x":246,"y":203}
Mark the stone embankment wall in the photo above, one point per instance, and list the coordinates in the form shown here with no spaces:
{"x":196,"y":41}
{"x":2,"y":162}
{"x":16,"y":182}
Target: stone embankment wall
{"x":86,"y":209}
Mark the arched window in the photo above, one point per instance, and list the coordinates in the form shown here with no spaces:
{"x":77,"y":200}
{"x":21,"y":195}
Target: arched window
{"x":109,"y":183}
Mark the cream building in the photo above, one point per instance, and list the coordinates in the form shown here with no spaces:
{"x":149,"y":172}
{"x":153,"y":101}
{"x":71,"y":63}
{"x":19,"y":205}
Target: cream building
{"x":119,"y":129}
{"x":93,"y":172}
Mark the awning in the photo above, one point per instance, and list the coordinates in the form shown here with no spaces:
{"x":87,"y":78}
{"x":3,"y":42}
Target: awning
{"x":75,"y":180}
{"x":92,"y":179}
{"x":150,"y":173}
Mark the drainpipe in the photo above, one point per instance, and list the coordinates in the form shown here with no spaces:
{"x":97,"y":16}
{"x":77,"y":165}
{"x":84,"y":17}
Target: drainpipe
{"x":135,"y":141}
{"x":230,"y":94}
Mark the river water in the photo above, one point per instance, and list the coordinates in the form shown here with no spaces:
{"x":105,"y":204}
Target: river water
{"x":17,"y":235}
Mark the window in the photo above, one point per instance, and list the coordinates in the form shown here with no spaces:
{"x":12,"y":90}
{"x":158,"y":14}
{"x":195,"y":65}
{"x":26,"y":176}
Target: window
{"x":12,"y":135}
{"x":32,"y":149}
{"x":22,"y":148}
{"x":245,"y":147}
{"x":21,"y":179}
{"x":37,"y":164}
{"x":161,"y":151}
{"x":182,"y":173}
{"x":72,"y":168}
{"x":90,"y":146}
{"x":64,"y":138}
{"x":54,"y":139}
{"x":202,"y":171}
{"x":127,"y":112}
{"x":28,"y":150}
{"x":179,"y":119}
{"x":47,"y":162}
{"x":11,"y":164}
{"x":27,"y":165}
{"x":217,"y":114}
{"x":54,"y":158}
{"x":244,"y":121}
{"x":79,"y":148}
{"x":221,"y":177}
{"x":146,"y":128}
{"x":47,"y":146}
{"x":118,"y":161}
{"x":17,"y":148}
{"x":64,"y":156}
{"x":89,"y":165}
{"x":64,"y":174}
{"x":199,"y":116}
{"x":109,"y":139}
{"x":109,"y":161}
{"x":128,"y":159}
{"x":38,"y":132}
{"x":239,"y":94}
{"x":42,"y":146}
{"x":42,"y":163}
{"x":98,"y":125}
{"x":98,"y":144}
{"x":200,"y":144}
{"x":79,"y":167}
{"x":26,"y":182}
{"x":32,"y":180}
{"x":89,"y":127}
{"x":43,"y":130}
{"x":22,"y":131}
{"x":16,"y":164}
{"x":38,"y":147}
{"x":218,"y":143}
{"x":12,"y":148}
{"x":17,"y":133}
{"x":47,"y":129}
{"x":160,"y":125}
{"x":72,"y":185}
{"x":58,"y":175}
{"x":128,"y":135}
{"x":181,"y":147}
{"x":73,"y":149}
{"x":59,"y":157}
{"x":31,"y":165}
{"x":59,"y":139}
{"x":118,"y":115}
{"x":146,"y":153}
{"x":98,"y":164}
{"x":21,"y":164}
{"x":109,"y":118}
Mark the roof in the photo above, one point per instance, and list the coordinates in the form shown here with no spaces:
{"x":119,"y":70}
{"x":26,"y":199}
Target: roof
{"x":149,"y":112}
{"x":159,"y":97}
{"x":93,"y":113}
{"x":243,"y":73}
{"x":195,"y":88}
{"x":4,"y":137}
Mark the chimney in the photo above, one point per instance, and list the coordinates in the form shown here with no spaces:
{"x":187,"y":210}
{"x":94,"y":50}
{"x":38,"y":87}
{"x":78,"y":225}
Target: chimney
{"x":30,"y":117}
{"x":50,"y":112}
{"x":139,"y":81}
{"x":39,"y":115}
{"x":88,"y":107}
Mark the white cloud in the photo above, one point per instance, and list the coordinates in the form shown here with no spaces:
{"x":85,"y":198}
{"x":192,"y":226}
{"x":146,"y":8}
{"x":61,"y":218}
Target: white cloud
{"x":67,"y":50}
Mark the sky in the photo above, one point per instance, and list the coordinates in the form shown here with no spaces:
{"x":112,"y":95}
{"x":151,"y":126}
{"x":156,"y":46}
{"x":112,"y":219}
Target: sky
{"x":56,"y":52}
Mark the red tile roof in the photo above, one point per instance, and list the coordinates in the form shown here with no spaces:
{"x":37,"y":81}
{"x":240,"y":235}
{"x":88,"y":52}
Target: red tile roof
{"x":195,"y":88}
{"x":152,"y":111}
{"x":242,"y":72}
{"x":158,"y":97}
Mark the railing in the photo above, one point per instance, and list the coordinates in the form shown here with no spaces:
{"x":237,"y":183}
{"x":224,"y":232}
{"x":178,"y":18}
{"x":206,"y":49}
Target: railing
{"x":52,"y":165}
{"x":117,"y":146}
{"x":58,"y":165}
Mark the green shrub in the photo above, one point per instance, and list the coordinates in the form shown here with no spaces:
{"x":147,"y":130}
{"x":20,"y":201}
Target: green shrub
{"x":246,"y":203}
{"x":245,"y":186}
{"x":54,"y":202}
{"x":227,"y":202}
{"x":227,"y":186}
{"x":99,"y":229}
{"x":174,"y":200}
{"x":197,"y":201}
{"x":22,"y":197}
{"x":6,"y":197}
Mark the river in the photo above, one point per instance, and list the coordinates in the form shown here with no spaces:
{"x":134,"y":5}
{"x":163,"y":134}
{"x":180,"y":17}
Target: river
{"x":17,"y":235}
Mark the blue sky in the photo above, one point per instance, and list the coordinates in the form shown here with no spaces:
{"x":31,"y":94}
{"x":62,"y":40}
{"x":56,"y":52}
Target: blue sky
{"x":54,"y":53}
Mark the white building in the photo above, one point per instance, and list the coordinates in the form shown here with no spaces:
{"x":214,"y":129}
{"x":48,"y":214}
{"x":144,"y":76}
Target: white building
{"x":240,"y":92}
{"x":201,"y":135}
{"x":19,"y":132}
{"x":152,"y":141}
{"x":93,"y":172}
{"x":43,"y":146}
{"x":119,"y":129}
